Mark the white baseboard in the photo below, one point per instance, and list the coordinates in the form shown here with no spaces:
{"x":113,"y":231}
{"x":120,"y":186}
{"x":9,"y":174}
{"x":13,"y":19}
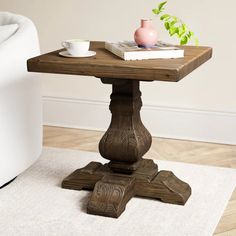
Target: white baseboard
{"x":167,"y":122}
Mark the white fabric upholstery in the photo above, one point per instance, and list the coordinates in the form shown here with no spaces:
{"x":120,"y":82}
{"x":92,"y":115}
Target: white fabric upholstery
{"x":20,"y":100}
{"x":6,"y":31}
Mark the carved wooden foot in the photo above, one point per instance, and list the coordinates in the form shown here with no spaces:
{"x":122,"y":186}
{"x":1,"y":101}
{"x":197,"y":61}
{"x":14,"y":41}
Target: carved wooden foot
{"x":112,"y":190}
{"x":166,"y":187}
{"x":110,"y":195}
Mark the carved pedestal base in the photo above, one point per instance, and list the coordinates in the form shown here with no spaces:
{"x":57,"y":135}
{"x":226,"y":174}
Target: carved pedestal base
{"x":112,"y":191}
{"x":127,"y":174}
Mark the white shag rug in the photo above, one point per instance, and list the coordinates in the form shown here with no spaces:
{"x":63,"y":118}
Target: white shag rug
{"x":35,"y":204}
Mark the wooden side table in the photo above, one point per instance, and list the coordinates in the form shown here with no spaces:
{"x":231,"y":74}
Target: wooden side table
{"x":126,"y":140}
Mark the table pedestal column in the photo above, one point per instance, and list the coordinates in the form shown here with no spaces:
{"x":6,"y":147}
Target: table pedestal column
{"x":127,"y":174}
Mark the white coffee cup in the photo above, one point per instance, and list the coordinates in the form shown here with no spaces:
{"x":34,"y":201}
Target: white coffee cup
{"x":76,"y":47}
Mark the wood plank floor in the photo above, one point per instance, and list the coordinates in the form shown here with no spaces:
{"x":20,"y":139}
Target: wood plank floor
{"x":162,"y":149}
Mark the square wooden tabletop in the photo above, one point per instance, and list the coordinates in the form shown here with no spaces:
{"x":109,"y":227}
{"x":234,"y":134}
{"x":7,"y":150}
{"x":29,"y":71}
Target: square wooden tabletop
{"x":107,"y":65}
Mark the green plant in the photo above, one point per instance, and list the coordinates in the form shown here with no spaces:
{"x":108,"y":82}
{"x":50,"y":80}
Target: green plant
{"x":174,"y":25}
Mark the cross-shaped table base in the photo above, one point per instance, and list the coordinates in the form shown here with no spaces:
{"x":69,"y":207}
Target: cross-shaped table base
{"x":112,"y":191}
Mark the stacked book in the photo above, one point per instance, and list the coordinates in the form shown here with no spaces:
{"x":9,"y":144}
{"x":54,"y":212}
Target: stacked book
{"x":128,"y":50}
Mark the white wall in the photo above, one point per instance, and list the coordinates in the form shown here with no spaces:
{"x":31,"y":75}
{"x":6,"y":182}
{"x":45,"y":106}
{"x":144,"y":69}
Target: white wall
{"x":209,"y":91}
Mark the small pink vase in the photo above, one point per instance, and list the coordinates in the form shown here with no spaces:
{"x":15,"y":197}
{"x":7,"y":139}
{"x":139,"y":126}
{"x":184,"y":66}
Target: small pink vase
{"x":146,"y":35}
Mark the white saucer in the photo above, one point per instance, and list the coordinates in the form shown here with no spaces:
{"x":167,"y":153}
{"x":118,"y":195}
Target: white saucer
{"x":87,"y":54}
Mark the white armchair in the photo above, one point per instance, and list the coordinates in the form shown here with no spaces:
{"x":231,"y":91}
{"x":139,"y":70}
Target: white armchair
{"x":20,"y":99}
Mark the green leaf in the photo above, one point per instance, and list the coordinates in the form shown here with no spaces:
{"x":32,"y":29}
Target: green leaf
{"x":173,"y":22}
{"x":182,"y":31}
{"x":173,"y":30}
{"x":196,"y":41}
{"x":184,"y":26}
{"x":161,"y":5}
{"x":191,"y":33}
{"x":165,"y":17}
{"x":156,"y":11}
{"x":179,"y":33}
{"x":167,"y":25}
{"x":184,"y":40}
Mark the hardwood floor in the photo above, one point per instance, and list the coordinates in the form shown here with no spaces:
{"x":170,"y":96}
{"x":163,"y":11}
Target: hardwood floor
{"x":162,"y":149}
